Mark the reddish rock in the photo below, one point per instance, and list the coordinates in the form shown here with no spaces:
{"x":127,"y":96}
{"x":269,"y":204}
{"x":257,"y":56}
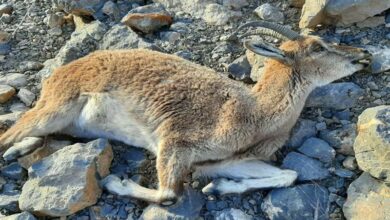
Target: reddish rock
{"x":147,"y":23}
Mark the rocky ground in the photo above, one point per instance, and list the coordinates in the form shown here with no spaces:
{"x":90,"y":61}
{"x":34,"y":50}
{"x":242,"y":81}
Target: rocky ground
{"x":337,"y":165}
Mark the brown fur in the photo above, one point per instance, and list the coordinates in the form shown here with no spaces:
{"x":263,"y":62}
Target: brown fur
{"x":195,"y":114}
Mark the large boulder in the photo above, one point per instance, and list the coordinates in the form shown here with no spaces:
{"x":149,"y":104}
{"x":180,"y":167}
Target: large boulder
{"x":372,"y":144}
{"x":312,"y":13}
{"x":350,"y":11}
{"x":301,"y":202}
{"x":68,"y":180}
{"x":368,"y":198}
{"x":187,"y":208}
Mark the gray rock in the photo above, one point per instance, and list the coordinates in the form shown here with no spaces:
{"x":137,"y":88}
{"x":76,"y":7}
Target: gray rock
{"x":372,"y":22}
{"x":128,"y":40}
{"x":6,"y":18}
{"x":155,"y":8}
{"x":5,"y":48}
{"x":269,"y":13}
{"x":343,"y":173}
{"x":372,"y":145}
{"x":5,"y":9}
{"x":184,"y":54}
{"x":26,"y":96}
{"x":380,"y":60}
{"x":6,"y":93}
{"x":112,"y":10}
{"x":20,"y":216}
{"x":16,"y":80}
{"x":83,"y":40}
{"x":13,"y":171}
{"x":303,"y":130}
{"x":368,"y":198}
{"x":9,"y":201}
{"x":81,"y":7}
{"x":240,"y":68}
{"x":68,"y":180}
{"x":55,"y":20}
{"x":307,"y":168}
{"x":27,"y":145}
{"x":187,"y":208}
{"x":232,"y":214}
{"x":235,"y":4}
{"x":341,"y":139}
{"x":302,"y":202}
{"x":18,"y":107}
{"x":335,"y":96}
{"x":351,"y":11}
{"x":319,"y":149}
{"x":30,"y":65}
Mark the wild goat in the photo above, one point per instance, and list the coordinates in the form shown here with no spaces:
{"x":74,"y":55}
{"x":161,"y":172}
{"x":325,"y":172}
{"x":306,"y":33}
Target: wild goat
{"x":189,"y":116}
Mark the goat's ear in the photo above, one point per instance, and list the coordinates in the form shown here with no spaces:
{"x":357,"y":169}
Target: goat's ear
{"x":267,"y":50}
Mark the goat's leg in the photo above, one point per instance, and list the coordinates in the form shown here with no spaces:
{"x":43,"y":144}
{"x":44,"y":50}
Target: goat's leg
{"x":244,"y":175}
{"x":172,"y":165}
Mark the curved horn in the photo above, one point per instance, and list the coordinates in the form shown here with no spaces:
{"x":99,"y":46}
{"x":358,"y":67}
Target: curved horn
{"x":264,"y":31}
{"x":289,"y":34}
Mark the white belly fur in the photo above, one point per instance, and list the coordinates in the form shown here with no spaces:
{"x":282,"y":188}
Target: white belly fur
{"x":104,"y":116}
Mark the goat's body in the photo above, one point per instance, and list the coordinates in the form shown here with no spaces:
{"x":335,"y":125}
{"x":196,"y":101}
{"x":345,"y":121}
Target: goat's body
{"x":188,"y":115}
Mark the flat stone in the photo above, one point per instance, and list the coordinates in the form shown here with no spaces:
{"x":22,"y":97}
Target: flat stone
{"x":15,"y":80}
{"x":9,"y":201}
{"x":303,"y":130}
{"x":27,"y":145}
{"x":187,"y":208}
{"x":270,"y":13}
{"x":343,"y":173}
{"x":6,"y":93}
{"x":20,"y":216}
{"x":13,"y":171}
{"x":26,"y":96}
{"x":51,"y":146}
{"x":146,"y":23}
{"x":301,"y":202}
{"x":368,"y":198}
{"x":337,"y":96}
{"x":318,"y":149}
{"x":307,"y":168}
{"x":68,"y":180}
{"x":341,"y":139}
{"x":232,"y":214}
{"x":372,"y":144}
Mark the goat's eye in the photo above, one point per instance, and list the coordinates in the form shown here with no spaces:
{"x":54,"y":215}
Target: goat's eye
{"x":317,"y":48}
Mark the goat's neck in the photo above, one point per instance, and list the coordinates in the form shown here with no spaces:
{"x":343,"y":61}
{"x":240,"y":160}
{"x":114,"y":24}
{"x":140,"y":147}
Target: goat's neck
{"x":281,"y":94}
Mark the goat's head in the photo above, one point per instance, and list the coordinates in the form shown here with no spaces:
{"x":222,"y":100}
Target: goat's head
{"x":312,"y":57}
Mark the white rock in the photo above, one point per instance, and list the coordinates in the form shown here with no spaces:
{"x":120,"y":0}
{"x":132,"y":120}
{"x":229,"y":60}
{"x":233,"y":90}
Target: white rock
{"x":15,"y":80}
{"x":269,"y":13}
{"x":216,"y":14}
{"x":26,"y":96}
